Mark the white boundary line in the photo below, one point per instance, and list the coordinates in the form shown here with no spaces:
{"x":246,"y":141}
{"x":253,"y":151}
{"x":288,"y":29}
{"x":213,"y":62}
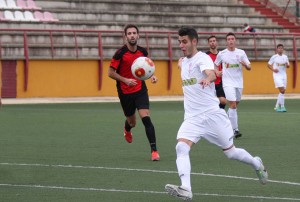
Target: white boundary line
{"x":141,"y":170}
{"x":142,"y":191}
{"x":116,"y":99}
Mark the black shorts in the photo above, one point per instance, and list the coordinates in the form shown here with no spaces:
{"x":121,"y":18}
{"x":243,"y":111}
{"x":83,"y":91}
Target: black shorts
{"x":219,"y":90}
{"x":133,"y":101}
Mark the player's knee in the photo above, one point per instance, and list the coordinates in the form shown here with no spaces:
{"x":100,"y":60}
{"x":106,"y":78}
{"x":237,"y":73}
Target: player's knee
{"x":231,"y":153}
{"x":132,"y":123}
{"x":182,"y":149}
{"x":282,"y":91}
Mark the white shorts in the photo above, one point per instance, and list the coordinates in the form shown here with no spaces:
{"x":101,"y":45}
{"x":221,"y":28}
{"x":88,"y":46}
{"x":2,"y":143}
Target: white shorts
{"x":280,"y":82}
{"x":214,"y":127}
{"x":232,"y":93}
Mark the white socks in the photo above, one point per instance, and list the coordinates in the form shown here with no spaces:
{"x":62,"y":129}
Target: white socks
{"x":243,"y":156}
{"x":233,"y":117}
{"x":280,"y":100}
{"x":277,"y":102}
{"x":183,"y":164}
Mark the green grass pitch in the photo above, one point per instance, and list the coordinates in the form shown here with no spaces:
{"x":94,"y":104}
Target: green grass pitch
{"x":77,"y":152}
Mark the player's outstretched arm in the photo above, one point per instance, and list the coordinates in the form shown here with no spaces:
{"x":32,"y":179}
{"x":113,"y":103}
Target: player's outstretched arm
{"x":247,"y":66}
{"x":114,"y":75}
{"x":211,"y":77}
{"x":272,"y":69}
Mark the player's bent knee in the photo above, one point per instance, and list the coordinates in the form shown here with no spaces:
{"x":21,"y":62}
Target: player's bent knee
{"x":231,"y":153}
{"x":182,"y":148}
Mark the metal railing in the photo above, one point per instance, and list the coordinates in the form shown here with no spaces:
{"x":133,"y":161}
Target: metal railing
{"x":171,"y":38}
{"x":283,"y":9}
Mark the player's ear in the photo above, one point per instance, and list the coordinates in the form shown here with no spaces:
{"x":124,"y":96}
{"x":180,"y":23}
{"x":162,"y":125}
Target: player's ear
{"x":194,"y":41}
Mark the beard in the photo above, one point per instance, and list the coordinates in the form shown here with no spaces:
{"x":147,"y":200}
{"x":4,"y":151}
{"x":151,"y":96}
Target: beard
{"x":132,"y":42}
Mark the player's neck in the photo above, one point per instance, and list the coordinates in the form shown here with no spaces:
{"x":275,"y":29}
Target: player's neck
{"x":214,"y":51}
{"x":132,"y":48}
{"x":231,"y":48}
{"x":195,"y":51}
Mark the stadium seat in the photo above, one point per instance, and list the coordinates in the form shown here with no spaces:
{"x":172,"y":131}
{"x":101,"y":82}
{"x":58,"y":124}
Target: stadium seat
{"x":3,"y":4}
{"x":31,"y":5}
{"x":49,"y":17}
{"x":39,"y":16}
{"x":12,"y":4}
{"x":2,"y":18}
{"x":19,"y":16}
{"x":22,"y":4}
{"x":9,"y":15}
{"x":29,"y":16}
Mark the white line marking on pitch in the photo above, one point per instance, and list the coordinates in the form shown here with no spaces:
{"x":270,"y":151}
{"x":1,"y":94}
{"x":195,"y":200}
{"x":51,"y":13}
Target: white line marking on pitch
{"x":143,"y":170}
{"x":142,"y":191}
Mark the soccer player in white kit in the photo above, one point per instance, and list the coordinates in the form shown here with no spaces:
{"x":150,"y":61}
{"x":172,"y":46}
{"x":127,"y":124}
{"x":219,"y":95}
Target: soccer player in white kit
{"x":278,"y":64}
{"x":233,"y":60}
{"x":202,"y":116}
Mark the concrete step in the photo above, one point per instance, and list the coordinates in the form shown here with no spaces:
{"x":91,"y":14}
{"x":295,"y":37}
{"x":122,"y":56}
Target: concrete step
{"x":203,"y":6}
{"x":99,"y":25}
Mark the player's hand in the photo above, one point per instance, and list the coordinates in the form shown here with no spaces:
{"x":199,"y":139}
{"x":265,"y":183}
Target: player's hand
{"x":248,"y":67}
{"x":275,"y":70}
{"x":154,"y":79}
{"x":218,"y":73}
{"x":130,"y":82}
{"x":205,"y":82}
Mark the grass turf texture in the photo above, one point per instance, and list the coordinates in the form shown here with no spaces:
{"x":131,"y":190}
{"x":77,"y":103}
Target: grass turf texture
{"x":77,"y":152}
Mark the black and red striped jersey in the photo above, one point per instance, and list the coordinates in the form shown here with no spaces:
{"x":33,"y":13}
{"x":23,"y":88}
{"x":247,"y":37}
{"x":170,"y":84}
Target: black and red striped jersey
{"x":121,"y":62}
{"x":213,"y":57}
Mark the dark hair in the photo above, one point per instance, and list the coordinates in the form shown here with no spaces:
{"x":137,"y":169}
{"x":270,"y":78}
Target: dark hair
{"x":188,"y":31}
{"x":211,"y":36}
{"x":130,"y":26}
{"x":279,"y":45}
{"x":230,"y":34}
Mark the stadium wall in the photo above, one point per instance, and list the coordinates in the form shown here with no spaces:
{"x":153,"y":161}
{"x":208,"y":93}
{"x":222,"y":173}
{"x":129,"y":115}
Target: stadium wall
{"x":66,"y":78}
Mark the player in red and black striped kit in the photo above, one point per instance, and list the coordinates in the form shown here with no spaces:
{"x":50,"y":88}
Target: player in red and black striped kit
{"x":133,"y":93}
{"x":213,"y":52}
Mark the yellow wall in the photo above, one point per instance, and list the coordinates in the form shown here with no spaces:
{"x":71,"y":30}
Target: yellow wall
{"x":260,"y":79}
{"x":80,"y":78}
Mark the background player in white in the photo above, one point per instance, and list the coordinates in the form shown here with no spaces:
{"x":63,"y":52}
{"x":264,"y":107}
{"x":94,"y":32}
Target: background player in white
{"x":278,"y":64}
{"x":233,"y":60}
{"x":202,"y":118}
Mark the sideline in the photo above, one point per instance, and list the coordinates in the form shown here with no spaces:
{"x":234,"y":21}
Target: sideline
{"x":116,"y":99}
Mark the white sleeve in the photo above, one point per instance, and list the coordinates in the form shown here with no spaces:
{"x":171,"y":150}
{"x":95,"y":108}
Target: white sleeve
{"x":245,"y":58}
{"x":287,"y":60}
{"x":218,"y":60}
{"x":206,"y":63}
{"x":271,"y":61}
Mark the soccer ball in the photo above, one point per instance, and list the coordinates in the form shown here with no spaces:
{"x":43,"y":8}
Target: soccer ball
{"x":142,"y":68}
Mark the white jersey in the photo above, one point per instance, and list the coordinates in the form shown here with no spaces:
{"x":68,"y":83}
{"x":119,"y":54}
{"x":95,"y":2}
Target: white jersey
{"x":232,"y":69}
{"x":196,"y":98}
{"x":279,"y":62}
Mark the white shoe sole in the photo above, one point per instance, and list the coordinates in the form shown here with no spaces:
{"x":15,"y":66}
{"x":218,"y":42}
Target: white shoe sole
{"x":173,"y":191}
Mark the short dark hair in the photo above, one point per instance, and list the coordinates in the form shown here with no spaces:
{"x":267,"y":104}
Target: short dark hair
{"x":279,"y":45}
{"x":230,"y":34}
{"x":130,"y":26}
{"x":211,"y":36}
{"x":188,"y":31}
